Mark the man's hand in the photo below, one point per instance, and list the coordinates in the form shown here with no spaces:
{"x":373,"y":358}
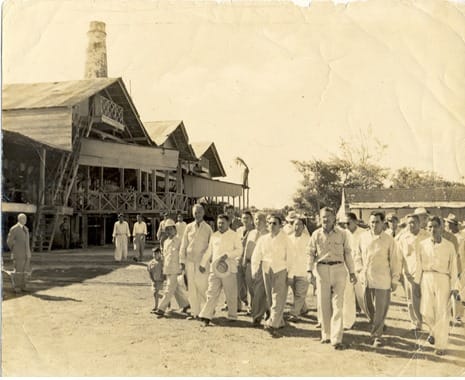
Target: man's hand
{"x":352,"y":278}
{"x":224,"y":257}
{"x":183,"y":266}
{"x":311,"y":278}
{"x":201,"y":269}
{"x":113,"y":240}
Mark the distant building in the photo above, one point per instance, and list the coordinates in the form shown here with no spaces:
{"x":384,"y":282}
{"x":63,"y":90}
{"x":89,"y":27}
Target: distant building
{"x":438,"y":201}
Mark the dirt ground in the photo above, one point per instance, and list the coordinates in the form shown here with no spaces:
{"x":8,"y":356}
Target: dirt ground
{"x":87,"y":316}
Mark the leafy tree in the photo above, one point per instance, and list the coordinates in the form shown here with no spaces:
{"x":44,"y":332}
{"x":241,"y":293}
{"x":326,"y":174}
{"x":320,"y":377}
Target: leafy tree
{"x":409,"y":178}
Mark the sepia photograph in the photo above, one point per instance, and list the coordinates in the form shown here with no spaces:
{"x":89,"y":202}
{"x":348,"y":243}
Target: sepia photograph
{"x":233,"y":188}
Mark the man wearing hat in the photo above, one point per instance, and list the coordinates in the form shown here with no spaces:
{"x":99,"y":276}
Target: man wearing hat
{"x":289,"y":226}
{"x":121,"y":235}
{"x":194,"y":245}
{"x":452,"y":226}
{"x":224,"y":249}
{"x":161,"y":233}
{"x":408,"y":245}
{"x":171,"y":269}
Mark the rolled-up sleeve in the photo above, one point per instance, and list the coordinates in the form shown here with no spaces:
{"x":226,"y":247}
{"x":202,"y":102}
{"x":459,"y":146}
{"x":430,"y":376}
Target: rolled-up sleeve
{"x":311,"y":252}
{"x":257,"y":256}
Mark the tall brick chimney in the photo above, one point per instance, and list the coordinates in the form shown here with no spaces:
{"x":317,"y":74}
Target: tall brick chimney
{"x":96,"y":59}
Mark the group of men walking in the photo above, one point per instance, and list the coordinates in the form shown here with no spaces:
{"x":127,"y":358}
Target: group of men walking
{"x":255,"y":263}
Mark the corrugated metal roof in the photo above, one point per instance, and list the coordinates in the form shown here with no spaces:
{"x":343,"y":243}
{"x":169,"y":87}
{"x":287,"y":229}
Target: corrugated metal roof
{"x":449,"y":194}
{"x":51,"y":94}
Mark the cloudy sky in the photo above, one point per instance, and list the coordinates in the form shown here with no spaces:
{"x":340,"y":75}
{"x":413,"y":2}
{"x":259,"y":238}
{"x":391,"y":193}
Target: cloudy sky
{"x":269,"y":81}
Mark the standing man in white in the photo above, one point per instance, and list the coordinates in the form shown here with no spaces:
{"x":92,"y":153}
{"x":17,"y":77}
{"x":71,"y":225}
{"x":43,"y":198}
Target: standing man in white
{"x":436,"y":273}
{"x":139,"y":233}
{"x":194,"y":245}
{"x":121,"y":235}
{"x":225,"y":245}
{"x":330,"y":259}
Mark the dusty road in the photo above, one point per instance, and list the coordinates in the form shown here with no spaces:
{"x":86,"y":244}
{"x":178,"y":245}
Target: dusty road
{"x":87,"y":316}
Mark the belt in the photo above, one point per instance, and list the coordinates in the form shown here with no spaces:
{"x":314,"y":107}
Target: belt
{"x":330,"y":262}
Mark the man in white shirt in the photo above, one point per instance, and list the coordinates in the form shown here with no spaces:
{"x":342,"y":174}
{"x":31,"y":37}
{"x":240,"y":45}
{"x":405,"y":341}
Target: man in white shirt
{"x":180,"y":226}
{"x":436,"y":273}
{"x":194,"y":244}
{"x":225,"y":245}
{"x":408,"y":245}
{"x":139,"y":233}
{"x":121,"y":235}
{"x":298,"y":273}
{"x":276,"y":253}
{"x":349,"y":309}
{"x":161,"y":233}
{"x":243,"y":233}
{"x":452,"y":226}
{"x":378,"y":266}
{"x":330,"y":258}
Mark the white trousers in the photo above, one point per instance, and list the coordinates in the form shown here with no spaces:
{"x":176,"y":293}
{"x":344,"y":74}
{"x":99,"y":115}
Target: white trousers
{"x":215,"y":285}
{"x":349,"y":308}
{"x":330,"y":285}
{"x":121,"y":247}
{"x":173,"y":288}
{"x":435,"y":306}
{"x":197,"y":284}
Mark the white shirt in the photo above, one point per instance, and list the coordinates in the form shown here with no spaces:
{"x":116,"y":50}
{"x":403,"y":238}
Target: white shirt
{"x":180,"y":228}
{"x":437,"y":257}
{"x":377,"y":261}
{"x":277,"y":251}
{"x":300,"y":262}
{"x":139,"y":228}
{"x":195,"y":241}
{"x":408,"y":245}
{"x":121,"y":229}
{"x":226,"y":243}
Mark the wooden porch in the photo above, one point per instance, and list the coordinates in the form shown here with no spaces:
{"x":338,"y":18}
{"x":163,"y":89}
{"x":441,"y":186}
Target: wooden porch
{"x":110,"y":202}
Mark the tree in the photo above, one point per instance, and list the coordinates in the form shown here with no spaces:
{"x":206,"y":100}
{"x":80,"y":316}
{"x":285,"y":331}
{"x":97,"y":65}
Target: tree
{"x":406,"y":178}
{"x":355,"y":166}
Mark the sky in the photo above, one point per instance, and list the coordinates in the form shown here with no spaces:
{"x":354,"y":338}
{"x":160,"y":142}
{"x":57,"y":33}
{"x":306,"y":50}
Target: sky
{"x":268,"y":81}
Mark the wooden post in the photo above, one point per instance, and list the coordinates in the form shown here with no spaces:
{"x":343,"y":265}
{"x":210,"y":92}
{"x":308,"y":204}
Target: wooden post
{"x":233,"y":198}
{"x":121,"y":179}
{"x":248,"y":198}
{"x":85,"y":231}
{"x":101,"y":177}
{"x":139,"y":180}
{"x":147,"y":182}
{"x":103,"y":230}
{"x":42,"y":157}
{"x":154,"y":181}
{"x":167,"y":181}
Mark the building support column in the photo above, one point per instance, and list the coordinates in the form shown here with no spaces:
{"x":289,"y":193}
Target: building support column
{"x":42,"y":158}
{"x":103,"y":230}
{"x":154,"y":181}
{"x":139,"y":180}
{"x":121,"y":179}
{"x":85,"y":231}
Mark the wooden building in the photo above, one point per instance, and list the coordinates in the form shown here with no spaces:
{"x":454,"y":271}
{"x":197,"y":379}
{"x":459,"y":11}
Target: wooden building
{"x":78,"y":150}
{"x":438,"y":201}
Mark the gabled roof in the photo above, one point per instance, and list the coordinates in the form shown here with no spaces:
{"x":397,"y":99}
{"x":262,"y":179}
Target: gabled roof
{"x":42,"y":111}
{"x":208,"y":150}
{"x":161,"y":131}
{"x":51,"y":94}
{"x":449,"y":194}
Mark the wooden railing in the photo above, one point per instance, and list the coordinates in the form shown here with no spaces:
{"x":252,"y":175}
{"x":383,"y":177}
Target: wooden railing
{"x":133,"y":201}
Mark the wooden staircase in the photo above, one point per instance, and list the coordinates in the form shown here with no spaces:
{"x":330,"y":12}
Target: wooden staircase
{"x":47,"y":218}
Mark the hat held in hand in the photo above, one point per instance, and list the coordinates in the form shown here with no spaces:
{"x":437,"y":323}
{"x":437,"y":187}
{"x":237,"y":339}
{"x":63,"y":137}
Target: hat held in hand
{"x":221,"y":268}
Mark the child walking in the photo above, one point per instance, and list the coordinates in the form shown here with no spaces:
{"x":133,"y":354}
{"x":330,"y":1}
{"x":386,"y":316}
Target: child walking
{"x":155,"y":269}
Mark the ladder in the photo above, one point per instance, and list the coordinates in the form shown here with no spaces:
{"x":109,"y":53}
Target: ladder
{"x":48,"y":216}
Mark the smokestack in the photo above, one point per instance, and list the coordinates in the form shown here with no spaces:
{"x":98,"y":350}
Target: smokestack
{"x":96,"y":60}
